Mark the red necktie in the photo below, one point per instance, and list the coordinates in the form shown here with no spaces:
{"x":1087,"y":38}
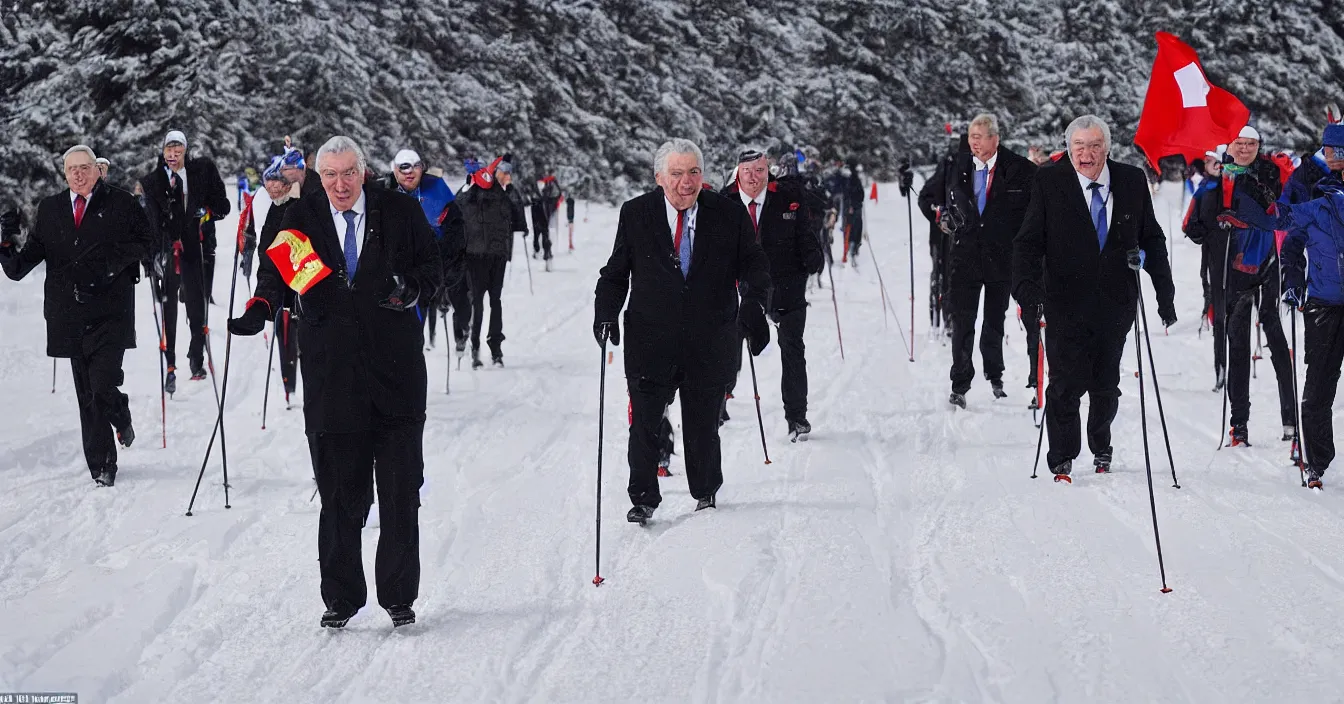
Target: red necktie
{"x":751,"y":207}
{"x":79,"y":210}
{"x":681,"y":225}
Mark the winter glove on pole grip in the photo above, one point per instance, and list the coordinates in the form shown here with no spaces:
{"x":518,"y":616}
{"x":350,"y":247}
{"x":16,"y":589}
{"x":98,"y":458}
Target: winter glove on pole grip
{"x":1134,"y":258}
{"x":9,"y":228}
{"x":905,"y":178}
{"x":252,"y":320}
{"x":607,"y":331}
{"x":751,"y":319}
{"x":403,"y":296}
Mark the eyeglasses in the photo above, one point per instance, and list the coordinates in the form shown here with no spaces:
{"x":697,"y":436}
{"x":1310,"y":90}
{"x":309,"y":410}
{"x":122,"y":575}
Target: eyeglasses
{"x":408,"y":167}
{"x":79,"y":169}
{"x":347,"y":175}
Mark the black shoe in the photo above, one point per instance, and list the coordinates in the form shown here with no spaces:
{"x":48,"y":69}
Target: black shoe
{"x":337,"y":617}
{"x":197,"y":371}
{"x":958,"y":400}
{"x":460,"y":347}
{"x":126,"y":435}
{"x":1031,"y":382}
{"x":664,"y":462}
{"x":401,"y":615}
{"x":1062,"y":469}
{"x":1238,"y":436}
{"x":997,"y":387}
{"x":799,"y":430}
{"x":170,"y":381}
{"x":476,"y":358}
{"x":1102,"y":462}
{"x":1033,"y":406}
{"x":723,"y":411}
{"x":1314,"y":478}
{"x":707,"y":502}
{"x":497,"y":360}
{"x":639,"y":514}
{"x":107,"y":477}
{"x":1289,"y":433}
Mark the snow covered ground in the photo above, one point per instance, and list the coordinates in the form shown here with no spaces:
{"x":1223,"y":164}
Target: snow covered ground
{"x":901,"y":555}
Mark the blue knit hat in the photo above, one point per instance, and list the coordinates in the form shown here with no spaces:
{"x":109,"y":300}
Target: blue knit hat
{"x":1333,"y":136}
{"x":294,"y":159}
{"x":272,"y":172}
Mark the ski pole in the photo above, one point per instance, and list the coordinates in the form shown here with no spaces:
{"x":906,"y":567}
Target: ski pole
{"x":757,"y":393}
{"x":53,"y":375}
{"x":1298,"y":452}
{"x":163,"y":346}
{"x":836,"y":307}
{"x":1221,"y":343}
{"x":528,"y":261}
{"x":844,"y":254}
{"x":910,"y":221}
{"x":448,"y":352}
{"x":1040,"y":384}
{"x":1147,"y":460}
{"x":270,"y":358}
{"x":1157,"y":390}
{"x":601,"y":414}
{"x":882,"y":287}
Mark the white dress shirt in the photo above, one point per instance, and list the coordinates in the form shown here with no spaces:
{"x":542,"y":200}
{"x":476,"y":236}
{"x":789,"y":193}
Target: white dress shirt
{"x":759,"y":200}
{"x":182,"y":176}
{"x":73,"y":196}
{"x":339,"y":221}
{"x":1105,"y":180}
{"x":688,"y":230}
{"x":982,"y":165}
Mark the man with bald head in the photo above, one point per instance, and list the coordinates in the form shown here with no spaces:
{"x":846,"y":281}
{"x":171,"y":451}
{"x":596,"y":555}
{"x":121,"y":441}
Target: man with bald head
{"x":1089,"y":227}
{"x":93,"y":237}
{"x":680,"y":252}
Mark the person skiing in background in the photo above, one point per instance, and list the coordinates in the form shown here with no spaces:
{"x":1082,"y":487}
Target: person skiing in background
{"x":940,"y":245}
{"x":1315,"y":231}
{"x":854,"y":199}
{"x":183,"y":198}
{"x":1088,"y":286}
{"x":1245,"y":274}
{"x":244,"y":189}
{"x":93,"y":238}
{"x":491,"y":219}
{"x":541,"y":223}
{"x":551,"y":193}
{"x":988,"y":189}
{"x":445,"y":218}
{"x":783,"y":223}
{"x":104,"y":166}
{"x":1212,"y":241}
{"x":295,"y":169}
{"x":681,"y":253}
{"x":364,"y":373}
{"x":280,"y":195}
{"x":790,"y":175}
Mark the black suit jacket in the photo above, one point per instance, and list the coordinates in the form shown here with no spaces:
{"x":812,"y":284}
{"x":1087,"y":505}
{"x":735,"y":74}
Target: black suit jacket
{"x":1057,"y":247}
{"x":172,"y":220}
{"x":982,"y":247}
{"x":682,"y":330}
{"x":113,"y":237}
{"x":786,"y":233}
{"x":359,"y":358}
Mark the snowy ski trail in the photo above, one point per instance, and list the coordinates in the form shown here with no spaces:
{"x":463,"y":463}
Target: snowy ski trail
{"x":902,"y":554}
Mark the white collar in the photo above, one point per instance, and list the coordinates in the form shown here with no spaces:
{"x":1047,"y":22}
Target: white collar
{"x":1104,"y":179}
{"x":759,"y":200}
{"x":672,"y":210}
{"x":74,"y":195}
{"x":358,"y":207}
{"x":985,"y":164}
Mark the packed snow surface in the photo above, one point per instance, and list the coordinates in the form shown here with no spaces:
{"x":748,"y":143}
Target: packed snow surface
{"x":902,"y":554}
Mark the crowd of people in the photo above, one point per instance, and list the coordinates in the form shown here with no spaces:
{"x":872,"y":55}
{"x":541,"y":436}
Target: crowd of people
{"x":352,"y":269}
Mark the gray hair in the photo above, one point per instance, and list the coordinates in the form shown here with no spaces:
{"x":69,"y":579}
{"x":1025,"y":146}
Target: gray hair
{"x":80,"y":148}
{"x":341,"y":144}
{"x":676,"y":146}
{"x":1087,"y":122}
{"x":986,"y":120}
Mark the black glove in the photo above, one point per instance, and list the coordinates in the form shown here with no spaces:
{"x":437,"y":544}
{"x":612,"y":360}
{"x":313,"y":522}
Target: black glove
{"x":1295,"y":296}
{"x":776,"y":315}
{"x":905,"y":178}
{"x":403,"y":296}
{"x":1029,"y":293}
{"x":607,"y":331}
{"x":1167,"y":312}
{"x":9,"y":228}
{"x":751,"y":320}
{"x":1196,"y":236}
{"x":1134,"y":258}
{"x":252,"y":320}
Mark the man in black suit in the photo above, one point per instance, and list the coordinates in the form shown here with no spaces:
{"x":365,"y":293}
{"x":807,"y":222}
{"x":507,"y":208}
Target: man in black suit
{"x":1087,"y":231}
{"x":183,"y":198}
{"x":680,"y":252}
{"x":984,"y":195}
{"x":92,"y":237}
{"x":785,"y":227}
{"x":361,"y":347}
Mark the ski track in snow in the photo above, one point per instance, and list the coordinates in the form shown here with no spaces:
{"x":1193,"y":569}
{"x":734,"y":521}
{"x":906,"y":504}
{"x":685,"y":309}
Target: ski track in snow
{"x":902,"y":554}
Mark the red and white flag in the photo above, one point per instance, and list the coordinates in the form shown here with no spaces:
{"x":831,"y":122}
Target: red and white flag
{"x":1184,"y":113}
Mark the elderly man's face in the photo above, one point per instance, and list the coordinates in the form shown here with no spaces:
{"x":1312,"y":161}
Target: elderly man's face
{"x":102,"y":170}
{"x":1087,"y":149}
{"x":503,"y":178}
{"x":681,"y":180}
{"x":81,"y":173}
{"x":1334,"y":158}
{"x":293,"y":174}
{"x":174,"y":155}
{"x":276,"y":189}
{"x":983,"y":145}
{"x":1244,"y":150}
{"x":752,"y":176}
{"x":410,"y":180}
{"x":342,"y":179}
{"x":1213,"y":167}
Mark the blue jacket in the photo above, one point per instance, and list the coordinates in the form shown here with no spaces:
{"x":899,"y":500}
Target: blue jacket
{"x":434,"y":196}
{"x":1301,"y":188}
{"x":1317,"y":226}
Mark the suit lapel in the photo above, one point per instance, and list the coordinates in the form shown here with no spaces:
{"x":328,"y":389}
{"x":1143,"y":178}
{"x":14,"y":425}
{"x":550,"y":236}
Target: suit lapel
{"x":325,"y":241}
{"x":700,"y":245}
{"x":372,"y":220}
